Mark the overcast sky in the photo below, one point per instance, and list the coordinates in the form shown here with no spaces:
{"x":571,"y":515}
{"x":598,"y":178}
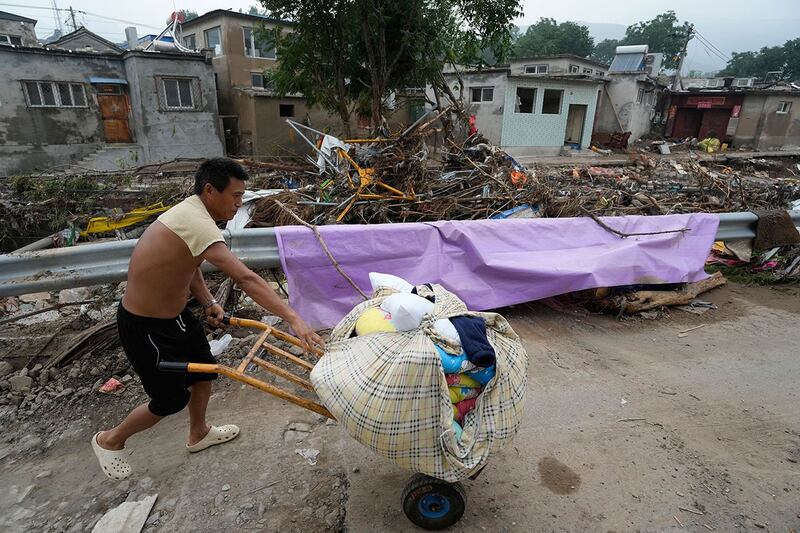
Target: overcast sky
{"x":735,"y":25}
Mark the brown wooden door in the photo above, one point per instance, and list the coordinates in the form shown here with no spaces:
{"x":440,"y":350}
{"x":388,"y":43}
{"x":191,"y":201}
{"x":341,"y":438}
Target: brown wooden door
{"x":114,"y":109}
{"x":575,"y":119}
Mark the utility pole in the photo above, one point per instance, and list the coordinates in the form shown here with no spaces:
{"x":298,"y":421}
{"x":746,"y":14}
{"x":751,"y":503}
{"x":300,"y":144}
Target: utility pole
{"x":677,"y":83}
{"x":72,"y":17}
{"x":57,"y":17}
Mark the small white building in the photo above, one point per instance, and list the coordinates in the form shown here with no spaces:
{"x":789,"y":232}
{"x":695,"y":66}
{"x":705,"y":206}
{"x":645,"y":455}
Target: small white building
{"x":537,"y":105}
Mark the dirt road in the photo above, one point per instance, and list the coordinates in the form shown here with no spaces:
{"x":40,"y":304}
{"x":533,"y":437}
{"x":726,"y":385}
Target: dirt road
{"x":626,"y":422}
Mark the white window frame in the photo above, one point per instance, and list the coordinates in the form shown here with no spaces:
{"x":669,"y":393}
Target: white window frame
{"x":784,"y":107}
{"x":517,"y":105}
{"x":483,"y":90}
{"x":542,"y":68}
{"x":601,"y":73}
{"x":195,"y":105}
{"x":74,"y":87}
{"x":587,"y":70}
{"x":560,"y":101}
{"x":261,"y":74}
{"x":574,"y":69}
{"x":253,"y":49}
{"x":5,"y":39}
{"x":743,"y":82}
{"x":193,"y":36}
{"x":205,"y":39}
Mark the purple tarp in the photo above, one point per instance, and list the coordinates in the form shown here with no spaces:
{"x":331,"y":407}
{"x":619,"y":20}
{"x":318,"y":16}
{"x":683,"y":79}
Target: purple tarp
{"x":491,"y":263}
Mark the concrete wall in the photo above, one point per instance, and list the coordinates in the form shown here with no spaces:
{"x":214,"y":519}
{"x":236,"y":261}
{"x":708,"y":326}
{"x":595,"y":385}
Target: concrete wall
{"x":38,"y":138}
{"x":556,"y":66}
{"x":779,"y":131}
{"x":546,"y":131}
{"x":488,"y":115}
{"x":635,"y":117}
{"x":749,"y":120}
{"x":24,"y":30}
{"x":80,"y":41}
{"x":164,"y":134}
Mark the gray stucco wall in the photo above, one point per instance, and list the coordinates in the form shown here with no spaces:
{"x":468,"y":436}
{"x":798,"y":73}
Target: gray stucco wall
{"x":24,"y":30}
{"x":165,"y":134}
{"x":780,"y":131}
{"x":39,"y":138}
{"x":634,"y":117}
{"x":488,"y":115}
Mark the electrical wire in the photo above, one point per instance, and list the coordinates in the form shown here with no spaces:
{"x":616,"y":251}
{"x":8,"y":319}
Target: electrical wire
{"x":717,"y":51}
{"x":80,"y":11}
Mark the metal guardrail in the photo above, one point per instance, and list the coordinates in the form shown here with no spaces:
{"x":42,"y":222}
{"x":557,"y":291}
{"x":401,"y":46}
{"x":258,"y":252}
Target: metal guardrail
{"x":107,"y":262}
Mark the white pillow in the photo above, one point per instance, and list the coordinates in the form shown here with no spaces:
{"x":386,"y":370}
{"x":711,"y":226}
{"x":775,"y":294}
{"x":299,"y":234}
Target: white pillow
{"x":446,"y":329}
{"x":379,"y":280}
{"x":407,"y":310}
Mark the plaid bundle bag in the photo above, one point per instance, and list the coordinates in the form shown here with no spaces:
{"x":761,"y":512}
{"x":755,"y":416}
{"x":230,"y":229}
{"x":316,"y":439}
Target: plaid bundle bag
{"x":389,"y":392}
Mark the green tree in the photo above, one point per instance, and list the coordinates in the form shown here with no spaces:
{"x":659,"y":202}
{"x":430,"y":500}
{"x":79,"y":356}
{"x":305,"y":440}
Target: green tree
{"x":784,"y":58}
{"x":663,"y":34}
{"x":605,"y":50}
{"x":343,"y":52}
{"x":548,"y":37}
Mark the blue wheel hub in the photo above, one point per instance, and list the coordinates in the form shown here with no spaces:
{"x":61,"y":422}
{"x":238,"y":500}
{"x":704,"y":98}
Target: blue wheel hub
{"x":433,"y":505}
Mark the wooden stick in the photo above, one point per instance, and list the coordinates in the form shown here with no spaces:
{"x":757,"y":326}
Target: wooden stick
{"x":296,"y":360}
{"x":678,"y":521}
{"x":285,"y":374}
{"x":692,"y":329}
{"x":693,"y":511}
{"x":253,"y":351}
{"x":266,"y":387}
{"x":623,"y":235}
{"x":324,"y":247}
{"x":652,"y":299}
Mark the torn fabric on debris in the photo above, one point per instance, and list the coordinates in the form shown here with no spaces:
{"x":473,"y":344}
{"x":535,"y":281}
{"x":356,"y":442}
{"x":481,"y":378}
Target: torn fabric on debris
{"x":492,"y":263}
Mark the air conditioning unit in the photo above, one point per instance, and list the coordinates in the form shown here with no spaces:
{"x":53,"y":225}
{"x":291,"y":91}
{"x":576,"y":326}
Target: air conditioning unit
{"x":652,"y":64}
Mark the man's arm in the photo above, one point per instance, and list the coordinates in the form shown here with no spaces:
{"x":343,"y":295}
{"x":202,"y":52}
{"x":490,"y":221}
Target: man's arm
{"x":214,"y":312}
{"x":259,"y":290}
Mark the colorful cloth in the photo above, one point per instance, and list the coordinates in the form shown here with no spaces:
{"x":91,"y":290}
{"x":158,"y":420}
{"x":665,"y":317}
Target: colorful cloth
{"x":462,"y":380}
{"x":454,"y":364}
{"x":481,"y":375}
{"x":458,"y":394}
{"x":464,"y":407}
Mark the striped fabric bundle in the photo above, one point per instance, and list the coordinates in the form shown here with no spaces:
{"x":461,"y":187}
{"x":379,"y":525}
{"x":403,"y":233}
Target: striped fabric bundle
{"x":389,"y":392}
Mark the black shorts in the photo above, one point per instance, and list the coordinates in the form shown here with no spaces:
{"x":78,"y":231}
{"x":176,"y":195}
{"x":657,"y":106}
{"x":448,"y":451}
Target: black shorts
{"x":147,"y":341}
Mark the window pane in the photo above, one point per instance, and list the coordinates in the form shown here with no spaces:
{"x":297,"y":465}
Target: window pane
{"x":488,"y":94}
{"x":78,"y":96}
{"x":213,"y":39}
{"x":542,"y":69}
{"x":248,"y":41}
{"x":5,"y":39}
{"x":65,"y":94}
{"x":551,"y":103}
{"x":476,"y":94}
{"x":32,"y":88}
{"x":185,"y":88}
{"x":256,"y":80}
{"x":16,"y":40}
{"x":48,"y":97}
{"x":171,"y":90}
{"x":265,"y":49}
{"x":525,"y":99}
{"x":188,"y":41}
{"x":286,"y":110}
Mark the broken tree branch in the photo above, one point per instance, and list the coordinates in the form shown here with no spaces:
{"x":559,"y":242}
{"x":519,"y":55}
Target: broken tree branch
{"x":623,"y":235}
{"x":324,"y":247}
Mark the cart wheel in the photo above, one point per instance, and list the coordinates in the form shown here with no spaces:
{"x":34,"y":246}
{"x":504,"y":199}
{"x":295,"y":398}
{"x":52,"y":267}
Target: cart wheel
{"x":433,"y":504}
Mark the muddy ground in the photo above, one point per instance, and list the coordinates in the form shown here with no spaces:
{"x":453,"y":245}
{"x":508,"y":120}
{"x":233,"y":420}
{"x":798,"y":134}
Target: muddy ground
{"x":626,"y":422}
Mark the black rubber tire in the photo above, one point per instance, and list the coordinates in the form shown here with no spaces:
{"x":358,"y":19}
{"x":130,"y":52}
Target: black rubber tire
{"x":421,"y":485}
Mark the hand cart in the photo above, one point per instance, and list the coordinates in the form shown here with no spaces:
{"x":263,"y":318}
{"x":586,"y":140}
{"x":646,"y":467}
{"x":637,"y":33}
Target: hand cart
{"x":428,"y":502}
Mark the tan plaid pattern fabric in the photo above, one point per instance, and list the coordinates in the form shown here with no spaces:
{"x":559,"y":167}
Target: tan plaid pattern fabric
{"x":389,"y":392}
